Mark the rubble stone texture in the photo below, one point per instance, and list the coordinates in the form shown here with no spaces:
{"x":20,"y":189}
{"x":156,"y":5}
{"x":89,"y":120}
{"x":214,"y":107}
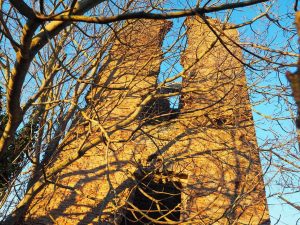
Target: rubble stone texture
{"x":208,"y":150}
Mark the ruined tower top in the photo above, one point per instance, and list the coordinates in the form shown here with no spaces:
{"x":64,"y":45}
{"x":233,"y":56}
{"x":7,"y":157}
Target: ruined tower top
{"x":200,"y":166}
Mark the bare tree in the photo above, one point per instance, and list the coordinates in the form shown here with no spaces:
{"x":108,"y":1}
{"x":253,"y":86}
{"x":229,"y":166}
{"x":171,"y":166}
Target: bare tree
{"x":88,"y":78}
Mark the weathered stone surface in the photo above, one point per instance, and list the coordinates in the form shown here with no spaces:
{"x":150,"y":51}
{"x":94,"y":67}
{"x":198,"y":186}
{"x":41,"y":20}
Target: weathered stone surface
{"x":209,"y":148}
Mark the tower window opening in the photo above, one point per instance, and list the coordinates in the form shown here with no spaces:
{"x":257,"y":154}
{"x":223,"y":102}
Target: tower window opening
{"x":163,"y":108}
{"x":174,"y":103}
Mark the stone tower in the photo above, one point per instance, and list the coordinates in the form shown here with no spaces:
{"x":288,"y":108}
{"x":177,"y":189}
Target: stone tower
{"x":197,"y":163}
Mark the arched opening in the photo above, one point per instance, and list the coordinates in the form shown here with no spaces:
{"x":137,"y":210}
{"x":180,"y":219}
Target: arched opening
{"x":155,"y":199}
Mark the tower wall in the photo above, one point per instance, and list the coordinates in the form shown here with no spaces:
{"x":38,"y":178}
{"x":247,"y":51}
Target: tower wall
{"x":216,"y":103}
{"x":208,"y":149}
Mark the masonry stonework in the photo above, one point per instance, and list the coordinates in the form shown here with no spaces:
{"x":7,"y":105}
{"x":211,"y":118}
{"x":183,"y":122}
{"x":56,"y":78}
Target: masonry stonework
{"x":206,"y":151}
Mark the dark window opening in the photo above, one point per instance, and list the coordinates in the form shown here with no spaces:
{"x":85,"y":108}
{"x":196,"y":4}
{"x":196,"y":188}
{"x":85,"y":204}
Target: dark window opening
{"x":158,"y":199}
{"x":164,"y":108}
{"x":220,"y":121}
